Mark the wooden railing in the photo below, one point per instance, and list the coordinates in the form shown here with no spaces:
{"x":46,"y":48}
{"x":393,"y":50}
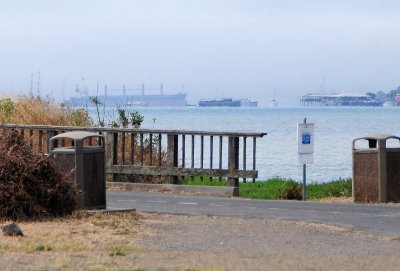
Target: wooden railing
{"x":168,"y":153}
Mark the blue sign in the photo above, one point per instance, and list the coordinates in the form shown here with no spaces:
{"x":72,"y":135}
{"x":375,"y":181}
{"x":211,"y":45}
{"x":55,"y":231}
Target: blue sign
{"x":306,"y":139}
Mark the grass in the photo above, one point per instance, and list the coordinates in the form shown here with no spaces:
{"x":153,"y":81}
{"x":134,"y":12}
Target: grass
{"x":206,"y":181}
{"x":43,"y":111}
{"x":274,"y":187}
{"x":79,"y":232}
{"x":336,"y":188}
{"x":269,"y":189}
{"x":117,"y":251}
{"x":82,"y":241}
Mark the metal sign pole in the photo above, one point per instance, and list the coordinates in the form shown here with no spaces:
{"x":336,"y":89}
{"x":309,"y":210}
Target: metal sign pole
{"x":305,"y":172}
{"x":305,"y":138}
{"x":304,"y":182}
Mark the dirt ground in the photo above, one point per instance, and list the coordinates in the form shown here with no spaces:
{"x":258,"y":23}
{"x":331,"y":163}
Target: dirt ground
{"x":131,"y":241}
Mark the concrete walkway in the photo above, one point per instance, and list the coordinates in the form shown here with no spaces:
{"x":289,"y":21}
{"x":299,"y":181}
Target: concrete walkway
{"x":377,"y":218}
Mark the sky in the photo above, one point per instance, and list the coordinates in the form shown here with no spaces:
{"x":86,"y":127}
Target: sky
{"x":207,"y":48}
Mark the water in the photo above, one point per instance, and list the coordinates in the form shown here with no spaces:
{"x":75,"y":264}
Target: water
{"x":335,"y":128}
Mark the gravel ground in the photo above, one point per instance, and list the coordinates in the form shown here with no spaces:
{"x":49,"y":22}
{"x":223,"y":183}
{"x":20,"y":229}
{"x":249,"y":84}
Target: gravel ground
{"x":179,"y":242}
{"x":264,"y":244}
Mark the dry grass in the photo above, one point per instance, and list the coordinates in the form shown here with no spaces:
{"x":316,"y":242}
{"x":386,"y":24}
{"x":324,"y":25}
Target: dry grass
{"x":336,"y":199}
{"x":92,"y":241}
{"x":78,"y":232}
{"x":35,"y":110}
{"x":82,"y":241}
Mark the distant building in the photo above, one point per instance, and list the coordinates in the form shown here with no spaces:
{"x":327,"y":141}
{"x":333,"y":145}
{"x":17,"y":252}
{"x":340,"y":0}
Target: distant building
{"x":338,"y":99}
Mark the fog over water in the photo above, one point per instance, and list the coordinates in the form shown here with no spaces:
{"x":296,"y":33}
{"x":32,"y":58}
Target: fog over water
{"x":257,"y":49}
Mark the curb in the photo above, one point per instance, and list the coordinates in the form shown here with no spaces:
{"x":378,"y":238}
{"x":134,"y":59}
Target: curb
{"x":219,"y":191}
{"x":110,"y":210}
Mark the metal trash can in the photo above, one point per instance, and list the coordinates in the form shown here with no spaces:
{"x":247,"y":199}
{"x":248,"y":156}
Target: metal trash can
{"x":86,"y":162}
{"x":376,"y":168}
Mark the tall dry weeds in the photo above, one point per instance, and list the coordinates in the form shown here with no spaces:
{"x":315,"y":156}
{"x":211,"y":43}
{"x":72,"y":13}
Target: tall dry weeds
{"x":37,"y":110}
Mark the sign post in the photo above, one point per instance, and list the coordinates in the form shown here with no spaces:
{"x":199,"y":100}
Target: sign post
{"x":305,"y":146}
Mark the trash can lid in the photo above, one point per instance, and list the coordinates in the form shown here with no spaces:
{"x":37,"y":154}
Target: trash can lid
{"x":76,"y":135}
{"x":377,"y":136}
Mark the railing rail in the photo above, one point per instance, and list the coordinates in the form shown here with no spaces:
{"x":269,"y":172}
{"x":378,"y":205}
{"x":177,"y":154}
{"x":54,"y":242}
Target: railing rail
{"x":168,"y":153}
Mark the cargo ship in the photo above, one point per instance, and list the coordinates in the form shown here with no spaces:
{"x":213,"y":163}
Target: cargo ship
{"x":221,"y":102}
{"x":125,"y":99}
{"x":229,"y":102}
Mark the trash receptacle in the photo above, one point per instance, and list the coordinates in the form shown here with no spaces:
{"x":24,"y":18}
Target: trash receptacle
{"x":86,"y":162}
{"x":376,"y":168}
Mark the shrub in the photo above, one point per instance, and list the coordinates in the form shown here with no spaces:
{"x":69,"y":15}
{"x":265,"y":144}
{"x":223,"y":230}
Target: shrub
{"x":31,"y":185}
{"x":292,"y":190}
{"x":6,"y":109}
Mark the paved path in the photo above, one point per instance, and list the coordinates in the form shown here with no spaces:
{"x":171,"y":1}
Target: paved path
{"x":381,"y":219}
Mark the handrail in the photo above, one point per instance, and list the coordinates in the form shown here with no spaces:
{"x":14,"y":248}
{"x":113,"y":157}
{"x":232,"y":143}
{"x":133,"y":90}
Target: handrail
{"x":136,"y":130}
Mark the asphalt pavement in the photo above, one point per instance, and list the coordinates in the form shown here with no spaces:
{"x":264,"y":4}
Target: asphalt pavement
{"x":382,"y":219}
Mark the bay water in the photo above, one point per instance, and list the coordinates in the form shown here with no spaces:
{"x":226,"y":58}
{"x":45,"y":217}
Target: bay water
{"x":335,"y":129}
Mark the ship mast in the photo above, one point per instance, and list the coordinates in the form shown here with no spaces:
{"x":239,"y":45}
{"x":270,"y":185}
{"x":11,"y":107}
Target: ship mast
{"x":38,"y":84}
{"x":142,"y":92}
{"x":31,"y":86}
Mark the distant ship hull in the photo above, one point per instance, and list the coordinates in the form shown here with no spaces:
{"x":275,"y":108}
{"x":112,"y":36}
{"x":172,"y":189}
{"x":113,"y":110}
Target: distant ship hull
{"x":229,"y":102}
{"x":222,"y":102}
{"x":248,"y":103}
{"x":133,"y":100}
{"x":389,"y":104}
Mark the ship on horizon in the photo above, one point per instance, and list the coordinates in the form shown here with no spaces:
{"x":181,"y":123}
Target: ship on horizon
{"x":228,"y":102}
{"x":126,"y":99}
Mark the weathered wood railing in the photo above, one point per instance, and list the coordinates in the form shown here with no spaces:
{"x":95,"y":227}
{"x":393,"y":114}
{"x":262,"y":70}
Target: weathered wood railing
{"x":171,"y":153}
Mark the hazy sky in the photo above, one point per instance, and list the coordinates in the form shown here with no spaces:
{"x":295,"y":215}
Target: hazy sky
{"x":210,"y":48}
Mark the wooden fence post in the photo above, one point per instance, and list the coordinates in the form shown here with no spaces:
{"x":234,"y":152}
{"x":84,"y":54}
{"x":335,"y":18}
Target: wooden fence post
{"x":111,"y":153}
{"x":233,"y":163}
{"x":172,"y":155}
{"x":50,"y":134}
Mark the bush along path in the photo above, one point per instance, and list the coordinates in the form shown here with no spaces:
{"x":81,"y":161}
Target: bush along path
{"x":31,"y":185}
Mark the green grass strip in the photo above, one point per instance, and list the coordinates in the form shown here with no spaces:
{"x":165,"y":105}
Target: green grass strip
{"x":274,"y":188}
{"x":205,"y":181}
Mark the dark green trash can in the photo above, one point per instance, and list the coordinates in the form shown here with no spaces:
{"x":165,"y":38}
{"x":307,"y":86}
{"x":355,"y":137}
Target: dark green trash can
{"x":86,"y":162}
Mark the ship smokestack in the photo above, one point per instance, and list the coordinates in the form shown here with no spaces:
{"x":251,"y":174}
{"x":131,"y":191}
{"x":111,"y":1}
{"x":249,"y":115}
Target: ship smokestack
{"x":162,"y":89}
{"x":142,"y":90}
{"x":124,"y":90}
